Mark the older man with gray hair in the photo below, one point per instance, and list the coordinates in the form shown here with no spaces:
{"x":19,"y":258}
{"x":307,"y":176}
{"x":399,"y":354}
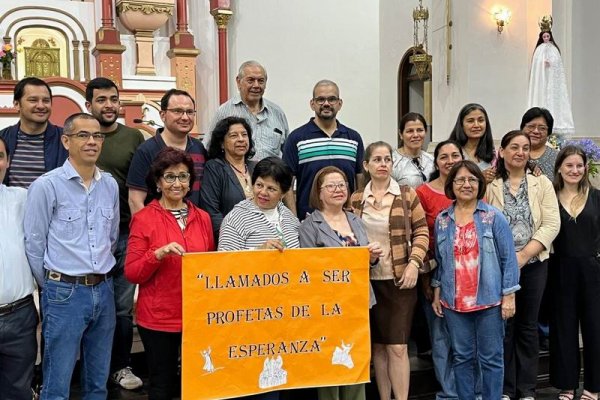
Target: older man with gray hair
{"x":267,"y":120}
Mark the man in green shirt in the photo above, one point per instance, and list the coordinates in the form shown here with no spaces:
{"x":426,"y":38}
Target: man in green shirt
{"x":102,"y":101}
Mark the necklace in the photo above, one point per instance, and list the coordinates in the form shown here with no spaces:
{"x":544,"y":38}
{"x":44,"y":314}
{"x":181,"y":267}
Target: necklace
{"x":243,"y":175}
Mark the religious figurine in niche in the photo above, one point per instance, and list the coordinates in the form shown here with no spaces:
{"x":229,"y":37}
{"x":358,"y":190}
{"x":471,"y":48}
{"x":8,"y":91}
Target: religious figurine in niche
{"x":548,"y":82}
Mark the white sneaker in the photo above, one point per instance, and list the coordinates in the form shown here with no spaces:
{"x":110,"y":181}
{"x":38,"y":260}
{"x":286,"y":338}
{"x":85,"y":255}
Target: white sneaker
{"x":505,"y":397}
{"x":126,"y":379}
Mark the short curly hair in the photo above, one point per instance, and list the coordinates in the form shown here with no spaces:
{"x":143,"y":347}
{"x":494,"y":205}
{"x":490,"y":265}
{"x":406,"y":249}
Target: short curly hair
{"x":166,"y":158}
{"x":215,"y":148}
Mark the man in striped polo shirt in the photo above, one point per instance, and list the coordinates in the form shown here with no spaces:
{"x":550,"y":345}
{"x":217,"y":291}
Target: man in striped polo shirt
{"x":33,"y":142}
{"x":322,"y":142}
{"x":267,"y":120}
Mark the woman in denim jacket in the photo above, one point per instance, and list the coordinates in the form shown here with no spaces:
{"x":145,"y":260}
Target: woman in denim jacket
{"x":475,"y":281}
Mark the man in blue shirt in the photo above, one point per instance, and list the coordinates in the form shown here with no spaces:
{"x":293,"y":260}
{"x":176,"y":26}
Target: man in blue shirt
{"x":320,"y":143}
{"x":71,"y":231}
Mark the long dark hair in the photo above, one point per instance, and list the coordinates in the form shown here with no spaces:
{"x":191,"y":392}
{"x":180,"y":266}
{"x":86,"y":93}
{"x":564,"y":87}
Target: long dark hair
{"x":485,"y":147}
{"x":540,"y":40}
{"x":501,"y":171}
{"x":436,"y":172}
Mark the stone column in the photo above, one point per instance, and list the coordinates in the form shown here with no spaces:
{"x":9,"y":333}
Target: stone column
{"x":108,"y":50}
{"x":76,"y":67}
{"x":221,"y":11}
{"x":183,"y":55}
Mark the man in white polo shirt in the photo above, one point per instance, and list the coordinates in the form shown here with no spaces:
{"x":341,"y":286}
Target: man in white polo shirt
{"x":18,"y":316}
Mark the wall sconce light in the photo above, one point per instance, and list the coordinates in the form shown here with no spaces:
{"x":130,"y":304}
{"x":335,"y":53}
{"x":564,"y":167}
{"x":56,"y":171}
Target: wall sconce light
{"x":502,"y":18}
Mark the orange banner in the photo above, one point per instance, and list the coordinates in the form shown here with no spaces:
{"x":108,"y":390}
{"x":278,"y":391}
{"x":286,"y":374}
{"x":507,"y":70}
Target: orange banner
{"x":264,"y":320}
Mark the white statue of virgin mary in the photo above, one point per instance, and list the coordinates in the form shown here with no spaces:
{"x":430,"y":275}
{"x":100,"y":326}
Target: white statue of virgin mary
{"x":548,"y":82}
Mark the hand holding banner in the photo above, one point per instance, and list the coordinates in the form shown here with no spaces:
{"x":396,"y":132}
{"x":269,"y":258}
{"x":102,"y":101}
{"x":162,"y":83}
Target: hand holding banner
{"x":256,"y":321}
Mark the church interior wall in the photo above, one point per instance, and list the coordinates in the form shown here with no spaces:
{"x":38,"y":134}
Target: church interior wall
{"x":301,"y":42}
{"x":585,"y":83}
{"x":202,"y":24}
{"x":395,"y":37}
{"x":360,"y":44}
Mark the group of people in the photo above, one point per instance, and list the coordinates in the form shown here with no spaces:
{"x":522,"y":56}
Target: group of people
{"x":106,"y":210}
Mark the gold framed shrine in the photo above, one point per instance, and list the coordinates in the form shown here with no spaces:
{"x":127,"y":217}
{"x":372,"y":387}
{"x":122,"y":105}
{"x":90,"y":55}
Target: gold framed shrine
{"x":42,"y":52}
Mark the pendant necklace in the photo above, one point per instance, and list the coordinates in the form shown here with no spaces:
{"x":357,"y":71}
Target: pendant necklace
{"x":244,"y":175}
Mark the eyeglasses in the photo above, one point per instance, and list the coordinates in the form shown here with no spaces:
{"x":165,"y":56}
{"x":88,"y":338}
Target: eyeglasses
{"x":331,"y":100}
{"x":183,"y":177}
{"x":540,"y":128}
{"x":83,"y":135}
{"x":462,"y":181}
{"x":180,"y":111}
{"x":332,"y":187}
{"x":417,"y":163}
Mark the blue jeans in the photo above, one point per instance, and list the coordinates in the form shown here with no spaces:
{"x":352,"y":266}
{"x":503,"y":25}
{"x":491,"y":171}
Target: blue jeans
{"x":124,"y":291}
{"x":80,"y":320}
{"x":477,"y":336}
{"x":441,"y":353}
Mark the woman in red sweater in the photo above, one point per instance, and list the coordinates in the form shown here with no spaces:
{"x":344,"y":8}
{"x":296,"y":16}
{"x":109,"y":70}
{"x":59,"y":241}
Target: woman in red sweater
{"x":160,"y":234}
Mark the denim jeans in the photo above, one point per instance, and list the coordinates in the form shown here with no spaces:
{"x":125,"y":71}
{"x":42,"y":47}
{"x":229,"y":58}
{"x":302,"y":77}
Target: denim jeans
{"x":477,"y":336}
{"x":78,"y":319}
{"x":124,"y":291}
{"x":441,"y":353}
{"x":18,"y":350}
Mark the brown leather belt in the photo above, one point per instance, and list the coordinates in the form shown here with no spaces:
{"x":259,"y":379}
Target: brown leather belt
{"x":14,"y":306}
{"x":87,"y":280}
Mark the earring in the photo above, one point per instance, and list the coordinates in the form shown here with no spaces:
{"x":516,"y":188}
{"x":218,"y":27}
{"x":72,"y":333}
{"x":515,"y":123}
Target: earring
{"x":158,"y":189}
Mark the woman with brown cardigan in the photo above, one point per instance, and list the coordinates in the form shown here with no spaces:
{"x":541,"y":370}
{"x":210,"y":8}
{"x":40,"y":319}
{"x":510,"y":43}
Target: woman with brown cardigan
{"x":388,"y":210}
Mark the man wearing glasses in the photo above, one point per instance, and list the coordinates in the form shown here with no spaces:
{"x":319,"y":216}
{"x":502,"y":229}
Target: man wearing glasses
{"x":71,"y":229}
{"x":267,"y":120}
{"x":177,"y":111}
{"x":120,"y":143}
{"x":322,"y":142}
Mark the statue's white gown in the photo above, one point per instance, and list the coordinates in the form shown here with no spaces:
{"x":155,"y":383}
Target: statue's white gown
{"x":548,"y":87}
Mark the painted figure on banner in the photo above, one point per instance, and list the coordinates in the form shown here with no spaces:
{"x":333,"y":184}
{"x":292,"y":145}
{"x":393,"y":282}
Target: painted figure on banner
{"x":341,"y":356}
{"x":208,"y":364}
{"x":272,"y":374}
{"x":548,"y":82}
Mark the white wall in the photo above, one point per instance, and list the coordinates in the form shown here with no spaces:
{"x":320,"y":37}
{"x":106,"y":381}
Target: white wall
{"x":487,"y":67}
{"x":301,"y":42}
{"x":396,"y":36}
{"x":585,"y":94}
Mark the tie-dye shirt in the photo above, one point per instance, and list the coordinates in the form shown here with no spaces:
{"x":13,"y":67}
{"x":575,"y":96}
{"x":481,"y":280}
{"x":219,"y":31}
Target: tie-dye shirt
{"x":466,"y":258}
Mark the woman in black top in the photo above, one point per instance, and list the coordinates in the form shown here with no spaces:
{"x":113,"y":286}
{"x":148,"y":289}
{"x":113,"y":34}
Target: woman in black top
{"x":227,"y":174}
{"x":574,"y":279}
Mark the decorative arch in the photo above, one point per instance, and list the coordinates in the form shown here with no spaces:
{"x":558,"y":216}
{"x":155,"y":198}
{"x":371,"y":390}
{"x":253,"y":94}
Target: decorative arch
{"x":20,"y":18}
{"x":410,"y":86}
